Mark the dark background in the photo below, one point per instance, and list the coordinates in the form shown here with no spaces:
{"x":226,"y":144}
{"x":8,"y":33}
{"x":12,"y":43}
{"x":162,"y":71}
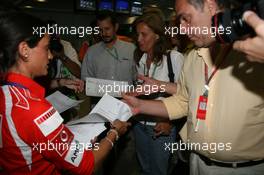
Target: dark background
{"x":65,"y":14}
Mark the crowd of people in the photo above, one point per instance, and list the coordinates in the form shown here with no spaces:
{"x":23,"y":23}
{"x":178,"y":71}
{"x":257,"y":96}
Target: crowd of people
{"x":217,"y":88}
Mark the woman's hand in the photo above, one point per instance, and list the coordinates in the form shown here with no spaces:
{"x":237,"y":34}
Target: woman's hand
{"x":120,"y":127}
{"x":75,"y":84}
{"x":148,"y":87}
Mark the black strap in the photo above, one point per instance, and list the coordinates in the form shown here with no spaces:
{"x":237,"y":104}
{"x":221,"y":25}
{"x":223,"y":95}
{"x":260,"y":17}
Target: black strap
{"x":179,"y":122}
{"x":171,"y":77}
{"x":170,"y":69}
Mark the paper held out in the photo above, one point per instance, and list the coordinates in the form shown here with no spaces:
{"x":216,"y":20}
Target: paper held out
{"x":87,"y":128}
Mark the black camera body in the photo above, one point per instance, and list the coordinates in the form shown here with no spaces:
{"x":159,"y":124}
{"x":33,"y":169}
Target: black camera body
{"x":232,"y":20}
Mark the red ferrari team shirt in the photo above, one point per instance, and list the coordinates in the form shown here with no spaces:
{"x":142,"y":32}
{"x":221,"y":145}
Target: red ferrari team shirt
{"x":33,"y":139}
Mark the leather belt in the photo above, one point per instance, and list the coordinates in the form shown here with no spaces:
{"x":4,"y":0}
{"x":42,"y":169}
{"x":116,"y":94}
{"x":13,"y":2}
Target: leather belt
{"x":210,"y":162}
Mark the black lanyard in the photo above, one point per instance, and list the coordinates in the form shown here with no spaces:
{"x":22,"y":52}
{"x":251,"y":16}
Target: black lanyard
{"x":222,"y":58}
{"x":208,"y":79}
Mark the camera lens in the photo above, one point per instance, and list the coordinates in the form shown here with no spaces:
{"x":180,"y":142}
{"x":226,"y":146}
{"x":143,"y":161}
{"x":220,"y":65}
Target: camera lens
{"x":232,"y":23}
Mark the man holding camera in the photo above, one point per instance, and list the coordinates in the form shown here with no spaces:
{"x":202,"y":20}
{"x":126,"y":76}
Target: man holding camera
{"x":253,"y":47}
{"x":222,"y":95}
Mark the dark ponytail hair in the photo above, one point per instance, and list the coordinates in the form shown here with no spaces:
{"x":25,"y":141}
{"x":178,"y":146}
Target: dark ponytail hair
{"x":16,"y":27}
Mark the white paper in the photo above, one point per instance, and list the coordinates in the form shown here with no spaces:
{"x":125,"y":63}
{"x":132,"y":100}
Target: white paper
{"x":90,"y":118}
{"x":112,"y":109}
{"x":84,"y":133}
{"x":99,"y":87}
{"x":61,"y":102}
{"x":107,"y":109}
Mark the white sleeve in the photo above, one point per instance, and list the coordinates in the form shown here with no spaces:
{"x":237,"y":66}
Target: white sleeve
{"x":141,"y":67}
{"x":70,"y":52}
{"x":177,"y":60}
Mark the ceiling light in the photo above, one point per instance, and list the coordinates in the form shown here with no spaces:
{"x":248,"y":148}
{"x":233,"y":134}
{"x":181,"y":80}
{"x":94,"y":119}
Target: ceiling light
{"x":153,"y":5}
{"x":137,"y":2}
{"x":28,"y":7}
{"x":41,"y":0}
{"x":130,"y":20}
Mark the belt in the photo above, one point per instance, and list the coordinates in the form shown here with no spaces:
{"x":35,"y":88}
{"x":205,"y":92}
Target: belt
{"x":148,"y":123}
{"x":210,"y":162}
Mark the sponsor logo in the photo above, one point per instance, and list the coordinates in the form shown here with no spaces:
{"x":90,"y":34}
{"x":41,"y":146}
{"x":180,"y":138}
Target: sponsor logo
{"x":62,"y":141}
{"x":49,"y":121}
{"x":45,"y":116}
{"x":21,"y":100}
{"x":76,"y":151}
{"x":74,"y":156}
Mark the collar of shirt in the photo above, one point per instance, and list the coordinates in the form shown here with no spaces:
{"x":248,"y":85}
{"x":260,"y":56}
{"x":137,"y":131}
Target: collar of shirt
{"x":143,"y":63}
{"x":143,"y":59}
{"x":116,"y":44}
{"x":153,"y":67}
{"x":26,"y":82}
{"x":204,"y":53}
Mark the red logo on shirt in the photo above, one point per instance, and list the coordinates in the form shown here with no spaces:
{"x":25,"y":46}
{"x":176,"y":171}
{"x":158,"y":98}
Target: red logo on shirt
{"x":62,"y":141}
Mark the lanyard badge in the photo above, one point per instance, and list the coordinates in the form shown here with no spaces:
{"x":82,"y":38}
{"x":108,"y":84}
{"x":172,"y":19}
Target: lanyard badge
{"x":201,"y":109}
{"x":202,"y":105}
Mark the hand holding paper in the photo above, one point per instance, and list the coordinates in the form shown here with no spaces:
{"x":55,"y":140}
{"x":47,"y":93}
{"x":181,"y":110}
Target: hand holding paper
{"x":107,"y":109}
{"x":98,"y":87}
{"x":112,"y":109}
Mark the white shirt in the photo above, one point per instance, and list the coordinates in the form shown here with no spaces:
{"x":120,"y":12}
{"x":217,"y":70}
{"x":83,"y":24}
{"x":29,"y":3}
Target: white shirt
{"x":161,"y":70}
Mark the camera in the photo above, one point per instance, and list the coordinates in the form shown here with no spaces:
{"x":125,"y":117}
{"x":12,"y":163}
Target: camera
{"x":231,"y":22}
